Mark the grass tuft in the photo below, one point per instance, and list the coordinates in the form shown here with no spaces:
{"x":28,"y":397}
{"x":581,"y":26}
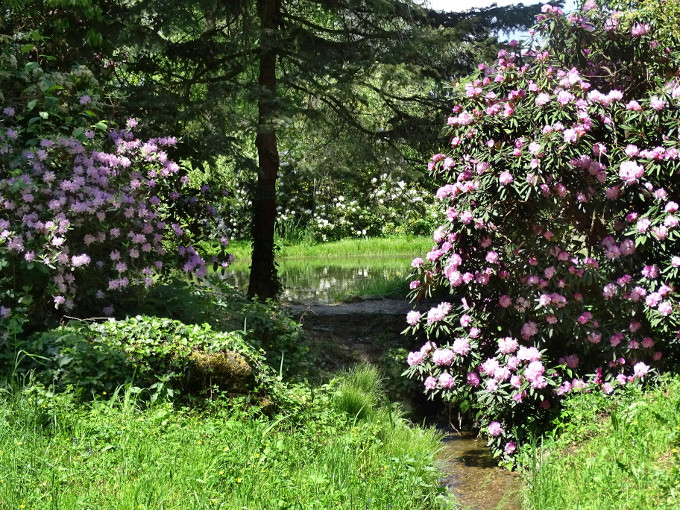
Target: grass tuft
{"x":360,"y":392}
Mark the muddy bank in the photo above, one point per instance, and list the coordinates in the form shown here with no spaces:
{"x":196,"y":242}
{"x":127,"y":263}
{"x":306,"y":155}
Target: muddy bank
{"x":363,"y":330}
{"x":344,"y":334}
{"x":393,"y":307}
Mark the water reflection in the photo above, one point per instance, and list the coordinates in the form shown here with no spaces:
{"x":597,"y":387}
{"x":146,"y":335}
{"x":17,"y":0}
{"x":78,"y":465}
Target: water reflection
{"x":328,"y":280}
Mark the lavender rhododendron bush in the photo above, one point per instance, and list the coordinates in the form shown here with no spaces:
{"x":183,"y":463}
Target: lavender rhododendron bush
{"x":559,"y":232}
{"x":88,"y":214}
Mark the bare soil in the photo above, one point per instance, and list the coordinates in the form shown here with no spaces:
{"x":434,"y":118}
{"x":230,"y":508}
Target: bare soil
{"x":344,"y":334}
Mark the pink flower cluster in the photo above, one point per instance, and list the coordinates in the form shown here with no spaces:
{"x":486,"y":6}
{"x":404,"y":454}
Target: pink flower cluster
{"x":558,"y":239}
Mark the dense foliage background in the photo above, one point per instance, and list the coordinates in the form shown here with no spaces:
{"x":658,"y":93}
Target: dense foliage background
{"x":335,"y":90}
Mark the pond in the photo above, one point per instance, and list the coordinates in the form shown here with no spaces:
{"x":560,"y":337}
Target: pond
{"x":330,"y":280}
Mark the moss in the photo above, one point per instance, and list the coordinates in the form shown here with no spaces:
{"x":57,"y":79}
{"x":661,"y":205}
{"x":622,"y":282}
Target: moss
{"x":229,"y":371}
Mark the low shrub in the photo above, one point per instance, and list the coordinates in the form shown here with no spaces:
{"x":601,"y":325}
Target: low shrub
{"x":157,"y":355}
{"x":265,"y":326}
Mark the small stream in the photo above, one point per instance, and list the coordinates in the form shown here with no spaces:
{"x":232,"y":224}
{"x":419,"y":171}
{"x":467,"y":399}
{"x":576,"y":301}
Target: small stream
{"x":474,"y":477}
{"x":470,"y":471}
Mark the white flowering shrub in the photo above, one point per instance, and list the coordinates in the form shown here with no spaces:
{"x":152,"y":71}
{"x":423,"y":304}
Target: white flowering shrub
{"x":330,"y":208}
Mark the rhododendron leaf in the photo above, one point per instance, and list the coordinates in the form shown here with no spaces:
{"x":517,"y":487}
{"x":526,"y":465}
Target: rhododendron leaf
{"x":48,"y":85}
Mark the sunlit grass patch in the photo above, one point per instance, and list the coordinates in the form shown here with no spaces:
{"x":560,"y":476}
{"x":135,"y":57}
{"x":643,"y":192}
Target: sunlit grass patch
{"x":405,"y":246}
{"x":623,"y":456}
{"x":119,"y":453}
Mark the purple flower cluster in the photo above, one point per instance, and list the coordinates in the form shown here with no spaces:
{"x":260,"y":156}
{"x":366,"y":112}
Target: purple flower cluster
{"x":80,"y":224}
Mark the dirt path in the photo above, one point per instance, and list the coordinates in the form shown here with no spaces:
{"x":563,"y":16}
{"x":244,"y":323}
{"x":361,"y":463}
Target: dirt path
{"x":344,"y":334}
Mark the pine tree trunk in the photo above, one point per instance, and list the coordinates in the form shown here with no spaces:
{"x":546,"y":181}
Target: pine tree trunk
{"x":263,"y":276}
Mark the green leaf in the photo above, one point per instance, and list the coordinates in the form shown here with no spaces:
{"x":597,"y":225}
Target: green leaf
{"x":615,"y":421}
{"x":47,"y":84}
{"x":64,"y":360}
{"x":31,"y":104}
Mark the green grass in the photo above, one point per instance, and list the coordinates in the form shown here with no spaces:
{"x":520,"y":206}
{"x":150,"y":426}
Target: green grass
{"x":616,"y":453}
{"x":114,"y":453}
{"x":375,"y":246}
{"x":360,"y":392}
{"x":379,"y":246}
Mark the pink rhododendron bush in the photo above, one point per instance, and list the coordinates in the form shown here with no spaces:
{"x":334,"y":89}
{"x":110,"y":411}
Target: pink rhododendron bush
{"x":559,"y":234}
{"x":88,"y":215}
